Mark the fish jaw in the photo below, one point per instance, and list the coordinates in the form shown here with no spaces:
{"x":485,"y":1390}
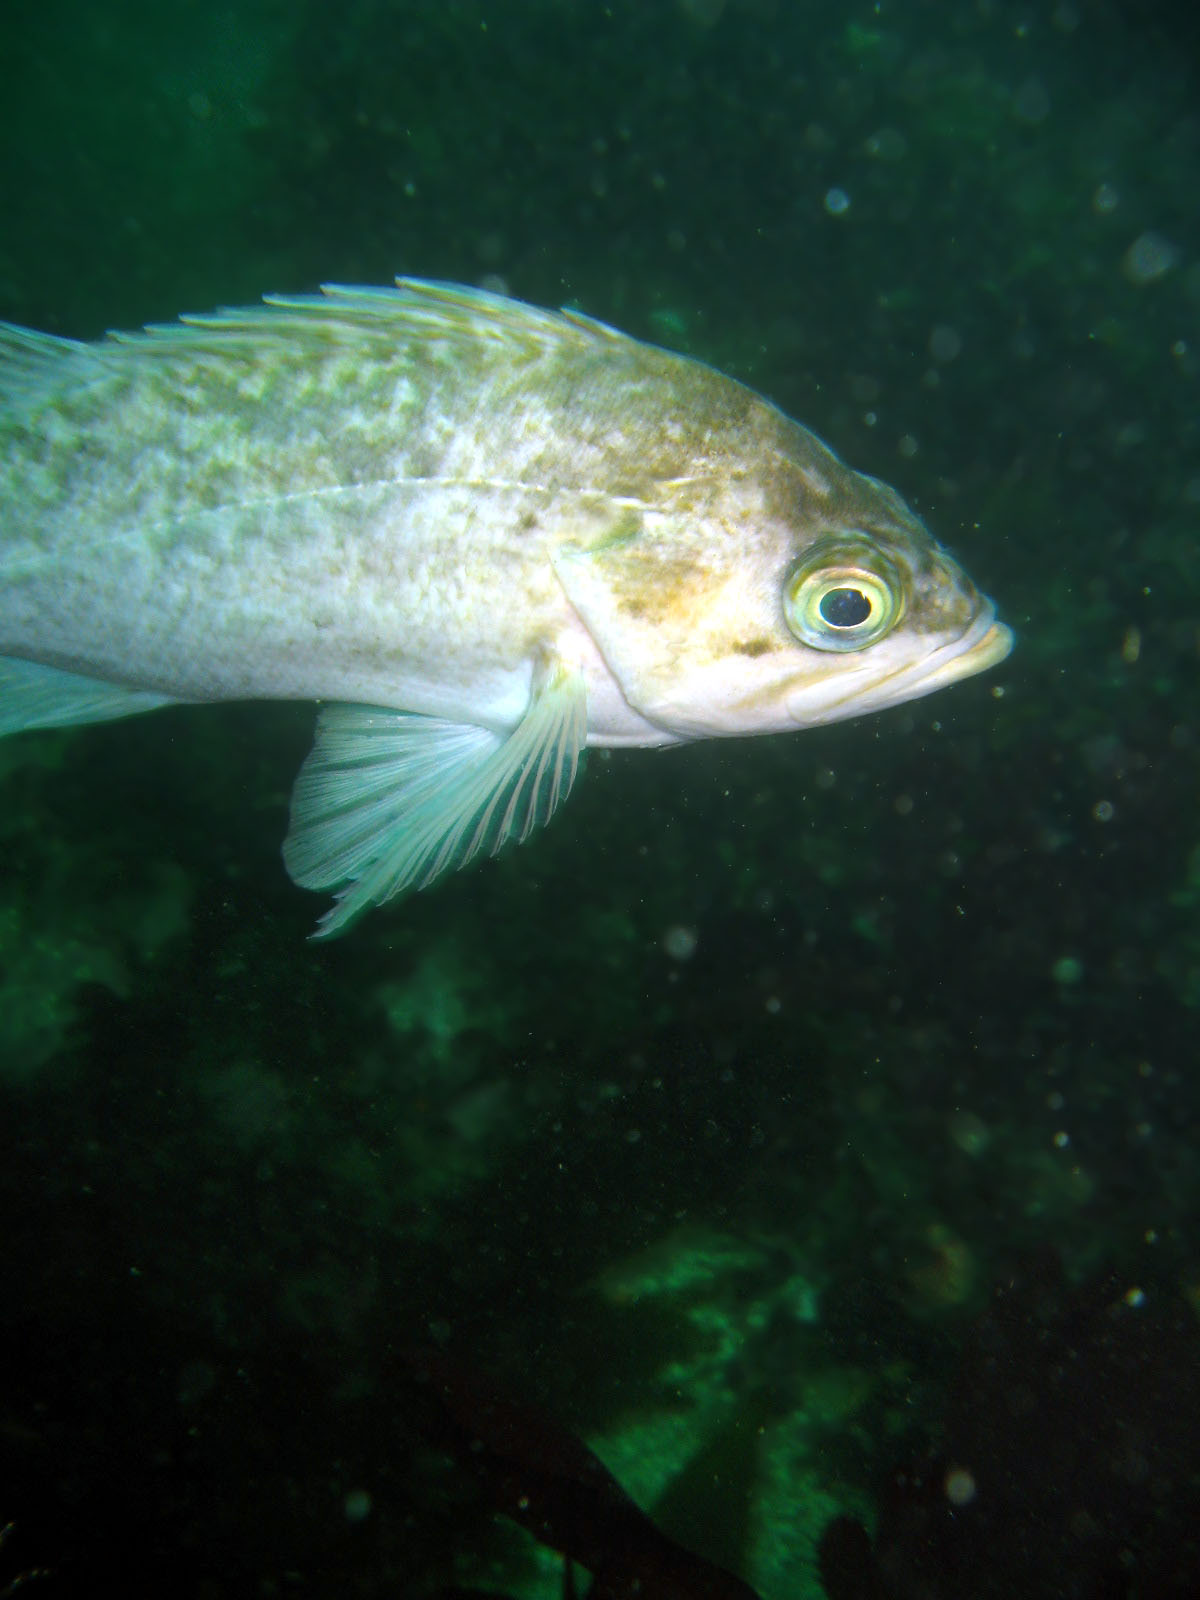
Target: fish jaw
{"x":879,"y":685}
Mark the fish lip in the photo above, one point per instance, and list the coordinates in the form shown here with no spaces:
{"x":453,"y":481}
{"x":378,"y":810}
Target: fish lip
{"x":984,"y":644}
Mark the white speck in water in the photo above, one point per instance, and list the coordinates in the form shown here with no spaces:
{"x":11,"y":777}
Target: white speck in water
{"x":945,"y":343}
{"x":1105,"y":199}
{"x":680,"y":942}
{"x":837,"y":201}
{"x":959,"y":1485}
{"x":1149,"y":258}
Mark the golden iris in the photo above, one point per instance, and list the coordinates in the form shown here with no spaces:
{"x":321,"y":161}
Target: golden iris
{"x":844,"y":595}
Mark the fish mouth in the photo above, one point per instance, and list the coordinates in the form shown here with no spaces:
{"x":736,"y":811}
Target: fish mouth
{"x":982,"y":645}
{"x":985,"y":644}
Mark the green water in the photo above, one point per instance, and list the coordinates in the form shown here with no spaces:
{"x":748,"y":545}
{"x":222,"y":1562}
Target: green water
{"x":712,"y":1119}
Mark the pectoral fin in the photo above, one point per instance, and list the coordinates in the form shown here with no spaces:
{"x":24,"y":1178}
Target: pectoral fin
{"x":389,"y":800}
{"x":34,"y":696}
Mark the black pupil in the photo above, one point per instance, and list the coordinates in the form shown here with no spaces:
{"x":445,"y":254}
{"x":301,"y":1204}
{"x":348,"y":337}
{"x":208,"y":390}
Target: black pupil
{"x":844,"y":608}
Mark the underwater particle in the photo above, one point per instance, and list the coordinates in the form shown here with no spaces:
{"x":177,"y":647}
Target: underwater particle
{"x":837,"y":201}
{"x":1104,"y":811}
{"x":356,"y":1506}
{"x":1149,"y":257}
{"x":886,"y":144}
{"x":944,"y":1276}
{"x":669,"y":321}
{"x":1105,"y":199}
{"x":907,"y":446}
{"x":1131,"y":645}
{"x":969,"y":1132}
{"x":773,"y":1005}
{"x":680,"y":942}
{"x":902,"y":805}
{"x":1061,"y":1140}
{"x":945,"y":343}
{"x":1135,"y":1298}
{"x":1031,"y":103}
{"x":1067,"y":970}
{"x":959,"y":1484}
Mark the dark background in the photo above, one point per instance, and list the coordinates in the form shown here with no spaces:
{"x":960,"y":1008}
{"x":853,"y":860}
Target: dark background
{"x":744,"y":1208}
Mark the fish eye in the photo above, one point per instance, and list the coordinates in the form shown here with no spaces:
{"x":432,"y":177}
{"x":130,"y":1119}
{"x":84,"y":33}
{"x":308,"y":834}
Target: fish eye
{"x":842,"y":597}
{"x":844,"y":608}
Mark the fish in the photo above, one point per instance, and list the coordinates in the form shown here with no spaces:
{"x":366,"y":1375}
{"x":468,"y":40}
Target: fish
{"x":483,"y":537}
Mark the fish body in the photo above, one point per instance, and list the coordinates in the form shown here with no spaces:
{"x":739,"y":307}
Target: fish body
{"x":482,"y":535}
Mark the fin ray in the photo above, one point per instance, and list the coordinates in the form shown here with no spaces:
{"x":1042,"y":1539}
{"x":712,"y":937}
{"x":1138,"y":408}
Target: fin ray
{"x":414,"y":309}
{"x":32,"y":362}
{"x":387,"y":801}
{"x":37,"y":696}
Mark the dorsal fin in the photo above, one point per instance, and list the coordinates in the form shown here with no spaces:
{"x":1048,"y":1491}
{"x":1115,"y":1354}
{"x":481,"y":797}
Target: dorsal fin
{"x":31,"y":362}
{"x":415,"y":309}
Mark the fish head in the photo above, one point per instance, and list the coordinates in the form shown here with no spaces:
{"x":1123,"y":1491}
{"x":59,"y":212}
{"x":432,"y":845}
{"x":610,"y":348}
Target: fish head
{"x":763,"y":612}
